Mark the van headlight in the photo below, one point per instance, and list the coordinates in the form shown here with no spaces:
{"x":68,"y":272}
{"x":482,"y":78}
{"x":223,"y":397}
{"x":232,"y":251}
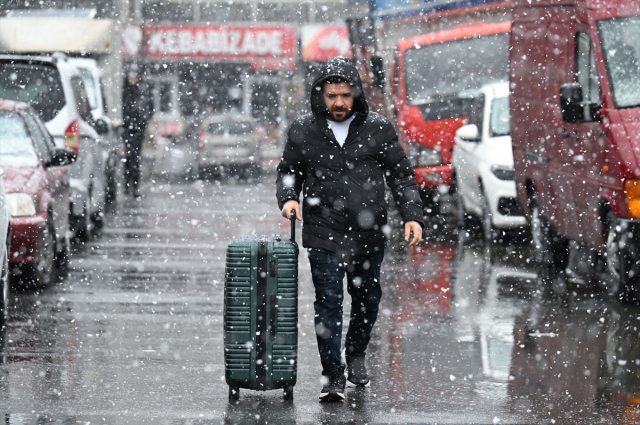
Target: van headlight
{"x":422,"y":156}
{"x":503,"y":173}
{"x":21,"y":205}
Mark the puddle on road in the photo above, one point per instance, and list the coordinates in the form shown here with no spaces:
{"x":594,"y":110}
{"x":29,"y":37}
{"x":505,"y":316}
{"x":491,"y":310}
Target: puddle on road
{"x":465,"y":334}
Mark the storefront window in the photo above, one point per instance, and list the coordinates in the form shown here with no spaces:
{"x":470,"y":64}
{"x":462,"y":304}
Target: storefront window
{"x":166,"y":97}
{"x":212,"y":89}
{"x":225,"y":12}
{"x":168,"y":11}
{"x":265,"y":102}
{"x":329,"y":12}
{"x":297,"y":13}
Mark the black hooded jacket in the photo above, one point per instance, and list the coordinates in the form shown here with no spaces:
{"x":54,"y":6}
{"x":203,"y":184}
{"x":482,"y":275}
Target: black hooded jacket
{"x":344,"y":208}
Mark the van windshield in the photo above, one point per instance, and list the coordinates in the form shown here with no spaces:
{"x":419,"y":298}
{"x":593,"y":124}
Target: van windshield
{"x":90,"y":87}
{"x":38,"y":85}
{"x":16,"y":147}
{"x":620,"y":39}
{"x":456,"y":68}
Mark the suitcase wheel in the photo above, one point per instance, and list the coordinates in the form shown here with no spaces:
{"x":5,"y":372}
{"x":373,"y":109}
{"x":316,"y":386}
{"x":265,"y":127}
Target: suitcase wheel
{"x":288,"y":392}
{"x":234,"y":393}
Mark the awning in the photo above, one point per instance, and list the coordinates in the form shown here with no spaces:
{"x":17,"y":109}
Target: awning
{"x":69,"y":35}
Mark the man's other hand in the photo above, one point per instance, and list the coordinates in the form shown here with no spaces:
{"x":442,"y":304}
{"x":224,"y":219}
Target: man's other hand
{"x":413,"y":226}
{"x":293,"y":205}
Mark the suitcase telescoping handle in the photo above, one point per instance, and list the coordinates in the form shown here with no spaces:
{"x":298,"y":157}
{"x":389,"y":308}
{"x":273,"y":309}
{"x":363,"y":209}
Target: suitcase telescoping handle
{"x":293,"y":225}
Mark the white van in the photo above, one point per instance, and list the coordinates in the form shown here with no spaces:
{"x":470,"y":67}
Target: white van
{"x":55,"y":89}
{"x":93,"y":84}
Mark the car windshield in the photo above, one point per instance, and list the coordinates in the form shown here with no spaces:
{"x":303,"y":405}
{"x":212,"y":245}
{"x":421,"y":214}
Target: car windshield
{"x":90,"y":87}
{"x":620,"y":39}
{"x":16,"y":147}
{"x":233,"y":128}
{"x":456,"y":68}
{"x":499,"y":125}
{"x":37,"y":85}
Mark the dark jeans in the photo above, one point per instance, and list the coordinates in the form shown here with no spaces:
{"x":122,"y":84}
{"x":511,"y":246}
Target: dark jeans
{"x":363,"y":284}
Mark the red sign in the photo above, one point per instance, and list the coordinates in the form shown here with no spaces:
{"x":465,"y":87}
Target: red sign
{"x":263,"y":47}
{"x":321,"y":42}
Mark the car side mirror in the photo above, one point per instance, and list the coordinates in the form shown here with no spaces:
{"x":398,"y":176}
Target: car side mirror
{"x":469,"y":133}
{"x":101,"y":127}
{"x":571,"y":104}
{"x":62,"y":156}
{"x":377,"y":69}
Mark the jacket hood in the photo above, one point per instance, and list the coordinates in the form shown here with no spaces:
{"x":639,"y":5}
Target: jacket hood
{"x":338,"y":67}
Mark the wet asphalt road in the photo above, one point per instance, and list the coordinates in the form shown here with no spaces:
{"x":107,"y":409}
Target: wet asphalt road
{"x":467,"y":334}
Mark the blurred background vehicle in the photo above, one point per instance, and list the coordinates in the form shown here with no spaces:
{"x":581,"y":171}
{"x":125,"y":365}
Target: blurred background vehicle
{"x":229,"y":146}
{"x":38,"y":189}
{"x":110,"y":140}
{"x":167,"y":151}
{"x":55,"y":89}
{"x":483,"y":164}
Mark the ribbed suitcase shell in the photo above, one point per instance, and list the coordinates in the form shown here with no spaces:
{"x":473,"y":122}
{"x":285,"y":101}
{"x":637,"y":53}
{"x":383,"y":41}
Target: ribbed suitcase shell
{"x":261,"y":314}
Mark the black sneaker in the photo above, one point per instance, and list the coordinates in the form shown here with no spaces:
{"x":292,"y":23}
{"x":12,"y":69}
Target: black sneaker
{"x":334,"y":389}
{"x":357,"y":372}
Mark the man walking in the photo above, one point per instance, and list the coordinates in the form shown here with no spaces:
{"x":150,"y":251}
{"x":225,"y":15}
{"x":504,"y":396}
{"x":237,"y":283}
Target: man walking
{"x":135,"y":117}
{"x":340,"y":155}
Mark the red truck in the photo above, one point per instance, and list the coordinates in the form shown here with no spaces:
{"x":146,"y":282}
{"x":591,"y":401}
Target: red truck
{"x":388,"y":42}
{"x":434,"y":81}
{"x":575,"y":128}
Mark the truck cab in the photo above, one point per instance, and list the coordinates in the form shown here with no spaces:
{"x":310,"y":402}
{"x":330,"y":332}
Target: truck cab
{"x":575,"y":128}
{"x":436,"y":76}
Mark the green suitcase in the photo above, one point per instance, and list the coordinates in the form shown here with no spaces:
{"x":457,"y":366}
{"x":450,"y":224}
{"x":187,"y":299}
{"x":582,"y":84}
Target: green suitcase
{"x":261,"y":314}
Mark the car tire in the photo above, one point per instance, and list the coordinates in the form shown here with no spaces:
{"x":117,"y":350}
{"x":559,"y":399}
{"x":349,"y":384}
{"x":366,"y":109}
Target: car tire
{"x":489,"y":232}
{"x":63,"y":255}
{"x":4,"y":281}
{"x":80,"y":227}
{"x":465,"y":220}
{"x":550,"y":248}
{"x":44,"y":268}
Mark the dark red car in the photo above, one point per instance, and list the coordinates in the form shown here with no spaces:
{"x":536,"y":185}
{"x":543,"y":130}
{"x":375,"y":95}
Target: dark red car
{"x":38,"y":193}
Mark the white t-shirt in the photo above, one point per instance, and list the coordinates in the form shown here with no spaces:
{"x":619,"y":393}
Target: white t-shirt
{"x":341,"y":129}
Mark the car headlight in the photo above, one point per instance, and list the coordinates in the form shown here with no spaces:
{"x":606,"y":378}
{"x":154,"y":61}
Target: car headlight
{"x":503,"y":173}
{"x":21,"y":204}
{"x":422,"y":156}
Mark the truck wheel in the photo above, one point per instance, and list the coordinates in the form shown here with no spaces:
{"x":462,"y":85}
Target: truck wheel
{"x":612,"y":280}
{"x":550,"y":248}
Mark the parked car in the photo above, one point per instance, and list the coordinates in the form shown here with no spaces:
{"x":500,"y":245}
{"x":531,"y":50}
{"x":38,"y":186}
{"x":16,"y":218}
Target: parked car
{"x":36,"y":178}
{"x":575,"y":126}
{"x":229,"y":146}
{"x":55,"y":89}
{"x":483,"y":163}
{"x":112,"y":143}
{"x":5,"y":243}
